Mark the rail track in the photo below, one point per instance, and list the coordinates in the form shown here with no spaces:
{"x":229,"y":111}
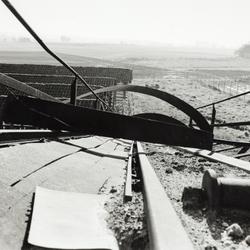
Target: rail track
{"x":10,"y":137}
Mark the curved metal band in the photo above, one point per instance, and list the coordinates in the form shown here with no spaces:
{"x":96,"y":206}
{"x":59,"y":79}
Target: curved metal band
{"x":58,"y":116}
{"x":160,"y":118}
{"x":194,"y":114}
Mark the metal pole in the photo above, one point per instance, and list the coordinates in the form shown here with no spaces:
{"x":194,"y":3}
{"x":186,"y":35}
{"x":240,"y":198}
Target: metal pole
{"x":231,"y":124}
{"x":73,"y":92}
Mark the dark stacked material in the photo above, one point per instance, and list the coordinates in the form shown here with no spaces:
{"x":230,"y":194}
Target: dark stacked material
{"x":122,"y":75}
{"x":56,"y":80}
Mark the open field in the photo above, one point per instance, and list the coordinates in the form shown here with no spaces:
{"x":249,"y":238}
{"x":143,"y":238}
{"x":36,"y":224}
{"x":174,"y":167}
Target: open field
{"x":40,"y":57}
{"x":197,"y":81}
{"x":178,"y":170}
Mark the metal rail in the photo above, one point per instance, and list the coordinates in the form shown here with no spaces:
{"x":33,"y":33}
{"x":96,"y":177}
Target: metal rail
{"x":210,"y":155}
{"x":9,"y":137}
{"x":164,"y":226}
{"x":238,"y":156}
{"x":128,"y":183}
{"x":231,"y":124}
{"x":44,"y":46}
{"x":225,"y":149}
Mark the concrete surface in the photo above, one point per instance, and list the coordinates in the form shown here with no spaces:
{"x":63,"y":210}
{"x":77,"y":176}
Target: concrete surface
{"x":53,"y":165}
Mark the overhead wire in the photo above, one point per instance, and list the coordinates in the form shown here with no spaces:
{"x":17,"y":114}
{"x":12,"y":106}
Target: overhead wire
{"x":44,"y":46}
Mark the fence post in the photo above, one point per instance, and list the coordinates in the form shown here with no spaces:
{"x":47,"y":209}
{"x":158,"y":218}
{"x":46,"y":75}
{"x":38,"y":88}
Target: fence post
{"x":73,"y":92}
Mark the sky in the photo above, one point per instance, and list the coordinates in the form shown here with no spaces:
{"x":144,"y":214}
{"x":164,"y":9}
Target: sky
{"x":205,"y":23}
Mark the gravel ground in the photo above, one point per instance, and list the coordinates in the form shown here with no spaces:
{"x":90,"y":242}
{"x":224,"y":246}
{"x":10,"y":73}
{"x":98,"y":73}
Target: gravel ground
{"x":177,"y":170}
{"x":196,"y":95}
{"x":127,"y":219}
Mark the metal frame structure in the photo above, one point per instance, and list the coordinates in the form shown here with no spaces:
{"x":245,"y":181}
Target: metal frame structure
{"x":59,"y":117}
{"x":44,"y":111}
{"x":171,"y":99}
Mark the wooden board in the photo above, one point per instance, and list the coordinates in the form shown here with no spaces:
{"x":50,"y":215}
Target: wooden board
{"x":244,"y":165}
{"x":68,"y":220}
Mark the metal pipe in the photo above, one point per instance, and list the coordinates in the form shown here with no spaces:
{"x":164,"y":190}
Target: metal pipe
{"x":226,"y":192}
{"x":44,"y":46}
{"x":236,"y":143}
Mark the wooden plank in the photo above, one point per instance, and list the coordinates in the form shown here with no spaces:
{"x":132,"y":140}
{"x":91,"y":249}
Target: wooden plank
{"x":165,"y":229}
{"x":244,"y":165}
{"x":17,"y":85}
{"x":69,"y":220}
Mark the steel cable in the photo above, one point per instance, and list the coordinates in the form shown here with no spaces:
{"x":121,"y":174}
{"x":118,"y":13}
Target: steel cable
{"x":44,"y":46}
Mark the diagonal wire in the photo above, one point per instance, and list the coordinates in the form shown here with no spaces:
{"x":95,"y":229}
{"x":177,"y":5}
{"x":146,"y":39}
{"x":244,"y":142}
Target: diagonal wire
{"x":44,"y":46}
{"x":223,"y":100}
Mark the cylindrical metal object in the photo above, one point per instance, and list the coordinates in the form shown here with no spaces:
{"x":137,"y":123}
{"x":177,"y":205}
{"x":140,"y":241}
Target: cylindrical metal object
{"x":226,"y":192}
{"x":235,"y":192}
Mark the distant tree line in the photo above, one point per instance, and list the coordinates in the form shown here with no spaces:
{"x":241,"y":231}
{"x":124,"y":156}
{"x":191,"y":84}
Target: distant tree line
{"x":243,"y":51}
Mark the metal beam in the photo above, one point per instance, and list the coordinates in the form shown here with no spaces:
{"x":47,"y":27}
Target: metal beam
{"x":171,"y":99}
{"x":22,"y":87}
{"x":57,"y":116}
{"x":166,"y":231}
